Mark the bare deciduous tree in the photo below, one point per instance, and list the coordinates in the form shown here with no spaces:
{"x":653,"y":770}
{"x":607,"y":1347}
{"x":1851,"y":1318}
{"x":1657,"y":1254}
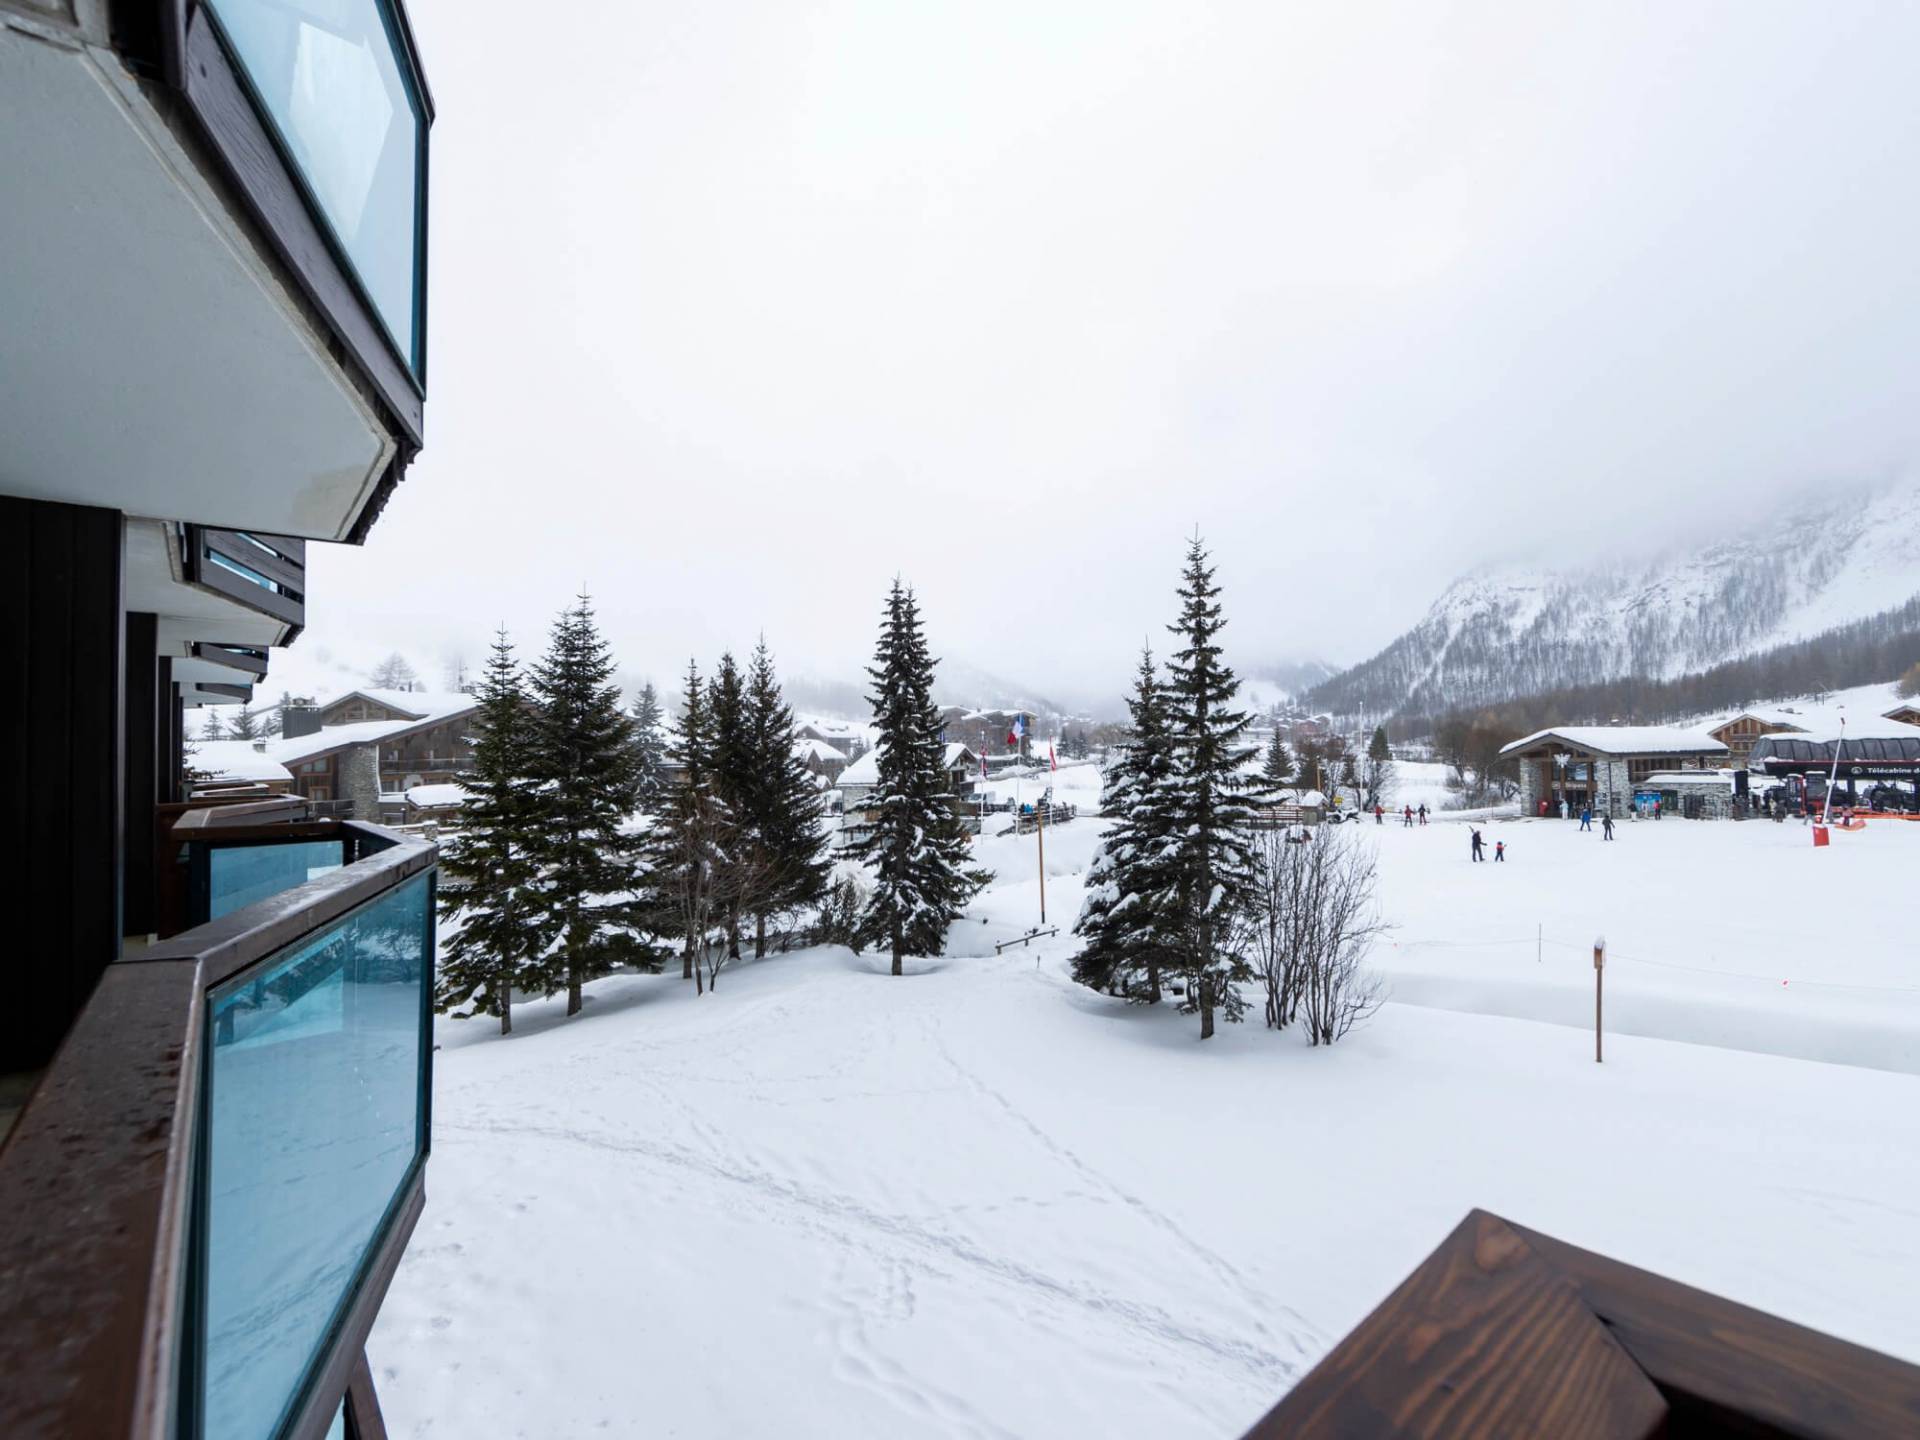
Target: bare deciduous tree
{"x":1308,"y":927}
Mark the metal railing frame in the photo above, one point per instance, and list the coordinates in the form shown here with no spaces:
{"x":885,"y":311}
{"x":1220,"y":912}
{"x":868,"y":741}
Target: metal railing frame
{"x":96,"y":1181}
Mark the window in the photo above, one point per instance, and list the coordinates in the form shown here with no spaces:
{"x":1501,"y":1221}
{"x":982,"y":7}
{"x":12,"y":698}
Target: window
{"x":336,"y":85}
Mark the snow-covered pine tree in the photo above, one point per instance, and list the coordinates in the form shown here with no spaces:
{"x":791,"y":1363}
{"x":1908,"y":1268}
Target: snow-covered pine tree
{"x":649,"y":746}
{"x":486,"y":871}
{"x":1209,"y":799}
{"x":1123,"y":921}
{"x":787,"y":845}
{"x":588,"y":862}
{"x":689,"y":839}
{"x":1379,"y":767}
{"x":918,"y":849}
{"x":1277,"y":769}
{"x":734,"y":782}
{"x":244,"y":724}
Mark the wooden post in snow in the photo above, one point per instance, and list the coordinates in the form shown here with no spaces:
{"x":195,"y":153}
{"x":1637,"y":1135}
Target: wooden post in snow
{"x":1599,"y":970}
{"x":1041,"y":831}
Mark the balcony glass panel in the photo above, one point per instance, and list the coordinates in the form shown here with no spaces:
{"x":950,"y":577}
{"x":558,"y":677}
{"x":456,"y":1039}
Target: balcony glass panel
{"x":334,"y":83}
{"x":315,"y":1118}
{"x":238,"y":875}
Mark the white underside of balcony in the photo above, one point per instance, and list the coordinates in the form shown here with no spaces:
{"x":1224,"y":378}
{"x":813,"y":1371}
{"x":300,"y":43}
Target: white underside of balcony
{"x":150,"y":360}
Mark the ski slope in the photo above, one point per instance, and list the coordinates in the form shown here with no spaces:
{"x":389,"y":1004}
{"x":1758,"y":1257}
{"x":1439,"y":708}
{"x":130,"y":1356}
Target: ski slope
{"x":979,"y":1201}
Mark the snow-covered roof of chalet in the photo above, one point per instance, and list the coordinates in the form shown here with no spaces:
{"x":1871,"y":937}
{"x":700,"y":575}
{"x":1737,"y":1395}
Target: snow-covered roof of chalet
{"x":866,"y":770}
{"x":817,"y":750}
{"x":422,"y":705}
{"x":438,"y":797}
{"x":335,"y":737}
{"x":1625,"y":740}
{"x":1905,"y":707}
{"x":1766,"y":715}
{"x":236,"y":760}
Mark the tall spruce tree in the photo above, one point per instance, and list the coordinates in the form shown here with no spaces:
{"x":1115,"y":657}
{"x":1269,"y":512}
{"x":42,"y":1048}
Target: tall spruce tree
{"x":649,"y":746}
{"x":1379,"y":767}
{"x":786,"y":844}
{"x":689,"y":839}
{"x":588,"y":861}
{"x":917,"y":848}
{"x":734,"y":782}
{"x":1209,"y":799}
{"x":1124,"y":922}
{"x":1277,"y":769}
{"x":486,"y":870}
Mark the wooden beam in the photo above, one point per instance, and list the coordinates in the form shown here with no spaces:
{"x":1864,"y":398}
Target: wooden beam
{"x":1484,"y":1338}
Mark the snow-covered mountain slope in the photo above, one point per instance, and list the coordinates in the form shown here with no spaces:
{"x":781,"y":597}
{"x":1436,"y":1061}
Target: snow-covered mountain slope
{"x":1512,"y":631}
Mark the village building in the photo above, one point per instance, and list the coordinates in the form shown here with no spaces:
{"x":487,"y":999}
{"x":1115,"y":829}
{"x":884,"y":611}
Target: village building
{"x":845,"y":736}
{"x":1905,"y":713}
{"x":1600,"y":765}
{"x":1738,"y":732}
{"x":821,"y":758}
{"x":860,"y":779}
{"x":378,"y":742}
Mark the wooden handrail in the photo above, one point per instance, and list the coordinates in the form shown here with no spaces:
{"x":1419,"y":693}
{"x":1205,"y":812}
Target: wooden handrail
{"x":1504,"y":1331}
{"x":95,"y":1178}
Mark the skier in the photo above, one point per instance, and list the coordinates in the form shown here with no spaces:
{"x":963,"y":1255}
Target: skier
{"x":1479,"y":847}
{"x":1407,"y":822}
{"x":1606,"y":826}
{"x":1656,"y":809}
{"x":1564,"y":811}
{"x":1379,"y":813}
{"x":1586,"y":817}
{"x":1499,"y":851}
{"x":1423,"y":813}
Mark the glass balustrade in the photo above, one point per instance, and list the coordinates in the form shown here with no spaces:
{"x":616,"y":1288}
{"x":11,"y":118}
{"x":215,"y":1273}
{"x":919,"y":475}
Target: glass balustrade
{"x":314,"y":1121}
{"x":239,"y":875}
{"x":335,"y":83}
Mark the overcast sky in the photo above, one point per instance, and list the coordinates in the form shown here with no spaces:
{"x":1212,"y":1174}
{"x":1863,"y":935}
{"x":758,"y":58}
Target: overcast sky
{"x":739,"y":309}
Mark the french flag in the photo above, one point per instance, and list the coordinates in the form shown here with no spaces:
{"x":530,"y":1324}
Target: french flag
{"x":1018,"y":731}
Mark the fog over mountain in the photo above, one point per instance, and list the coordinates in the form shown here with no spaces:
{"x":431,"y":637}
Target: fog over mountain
{"x":1513,"y":630}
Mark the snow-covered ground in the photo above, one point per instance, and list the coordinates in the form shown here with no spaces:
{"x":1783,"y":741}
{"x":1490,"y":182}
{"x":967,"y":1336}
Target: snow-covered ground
{"x":978,"y":1200}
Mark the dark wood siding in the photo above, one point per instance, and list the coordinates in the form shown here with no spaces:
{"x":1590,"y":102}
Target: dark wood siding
{"x":145,"y":735}
{"x":60,"y":744}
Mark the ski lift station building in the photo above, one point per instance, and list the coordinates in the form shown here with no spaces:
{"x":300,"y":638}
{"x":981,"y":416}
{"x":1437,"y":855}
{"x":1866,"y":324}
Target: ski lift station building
{"x":1600,"y":765}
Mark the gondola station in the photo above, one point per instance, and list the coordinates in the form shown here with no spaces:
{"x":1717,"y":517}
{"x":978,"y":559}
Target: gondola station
{"x":1601,"y":766}
{"x":1873,"y":770}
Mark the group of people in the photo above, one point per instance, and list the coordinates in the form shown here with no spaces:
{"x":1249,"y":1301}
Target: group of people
{"x":1479,"y":843}
{"x":1408,"y":813}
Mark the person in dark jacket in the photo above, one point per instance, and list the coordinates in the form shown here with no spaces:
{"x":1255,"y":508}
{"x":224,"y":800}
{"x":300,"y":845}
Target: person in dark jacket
{"x":1606,"y":826}
{"x":1479,"y":846}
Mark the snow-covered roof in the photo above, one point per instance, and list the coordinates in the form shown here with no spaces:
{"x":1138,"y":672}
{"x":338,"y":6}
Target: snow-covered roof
{"x":1684,"y":779}
{"x":1766,"y":715}
{"x":866,"y":770}
{"x":1625,"y":740}
{"x":436,"y":797}
{"x":818,"y":750}
{"x":335,"y":737}
{"x":1873,"y":729}
{"x":236,"y":760}
{"x":420,"y":704}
